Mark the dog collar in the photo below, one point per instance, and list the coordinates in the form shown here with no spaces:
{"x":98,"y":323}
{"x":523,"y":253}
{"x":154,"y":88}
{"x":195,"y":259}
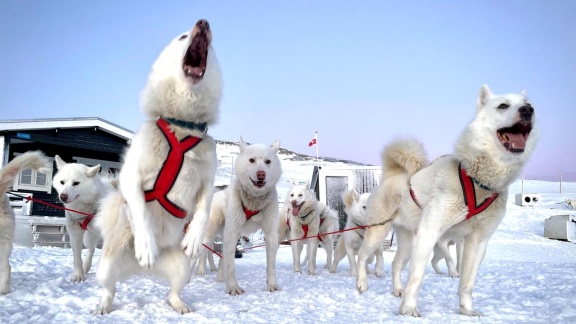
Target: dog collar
{"x":302,"y":217}
{"x":481,"y":185}
{"x":203,"y":127}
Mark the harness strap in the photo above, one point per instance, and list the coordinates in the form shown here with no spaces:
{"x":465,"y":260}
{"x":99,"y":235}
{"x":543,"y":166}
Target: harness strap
{"x":470,"y":195}
{"x":414,"y":198}
{"x":170,"y":169}
{"x":249,"y":213}
{"x":304,"y":227}
{"x":85,"y":222}
{"x":467,"y":184}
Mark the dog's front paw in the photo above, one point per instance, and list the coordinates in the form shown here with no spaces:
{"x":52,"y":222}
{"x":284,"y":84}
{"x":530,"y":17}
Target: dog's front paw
{"x":469,"y":312}
{"x":234,"y":290}
{"x":192,"y":242}
{"x":361,"y":284}
{"x":77,"y":277}
{"x":453,"y":274}
{"x":332,"y":269}
{"x":103,"y":309}
{"x":379,"y":272}
{"x":312,"y":272}
{"x":398,"y":292}
{"x":145,"y":250}
{"x":273,"y":288}
{"x":179,"y":305}
{"x":410,"y":310}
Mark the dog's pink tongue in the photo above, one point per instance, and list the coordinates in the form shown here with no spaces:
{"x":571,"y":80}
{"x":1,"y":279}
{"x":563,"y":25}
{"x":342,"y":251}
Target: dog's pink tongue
{"x":517,"y":141}
{"x":296,"y":210}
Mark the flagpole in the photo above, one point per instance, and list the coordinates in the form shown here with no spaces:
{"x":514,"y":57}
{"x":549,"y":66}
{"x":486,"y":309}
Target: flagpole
{"x":317,"y":147}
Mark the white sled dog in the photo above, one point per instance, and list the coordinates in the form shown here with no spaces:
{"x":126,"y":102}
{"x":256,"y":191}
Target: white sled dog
{"x":458,"y":196}
{"x":300,"y":219}
{"x":167,"y":177}
{"x":350,"y":241}
{"x":80,"y":188}
{"x":250,"y":203}
{"x":34,"y":160}
{"x":328,"y":224}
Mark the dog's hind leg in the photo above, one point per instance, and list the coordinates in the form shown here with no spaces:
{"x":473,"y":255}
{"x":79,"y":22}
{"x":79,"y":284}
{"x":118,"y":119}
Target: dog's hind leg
{"x":404,"y":248}
{"x":211,"y":262}
{"x":443,"y":247}
{"x":339,"y":253}
{"x":379,"y":267}
{"x":373,"y":238}
{"x":438,"y":255}
{"x":116,"y":262}
{"x":174,"y":266}
{"x":5,"y":269}
{"x":329,"y":247}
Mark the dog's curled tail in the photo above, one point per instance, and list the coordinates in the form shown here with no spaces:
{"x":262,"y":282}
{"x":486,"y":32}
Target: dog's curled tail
{"x":30,"y":160}
{"x":403,"y":156}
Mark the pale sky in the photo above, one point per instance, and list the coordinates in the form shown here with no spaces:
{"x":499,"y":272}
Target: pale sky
{"x":358,"y":72}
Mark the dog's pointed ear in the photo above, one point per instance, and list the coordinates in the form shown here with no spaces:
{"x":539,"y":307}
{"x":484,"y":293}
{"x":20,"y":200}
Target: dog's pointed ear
{"x":523,"y":93}
{"x":307,"y":184}
{"x":276,"y":145}
{"x":93,"y":170}
{"x":355,"y":195}
{"x":484,"y":97}
{"x":348,"y":198}
{"x":59,"y":162}
{"x":241,"y":145}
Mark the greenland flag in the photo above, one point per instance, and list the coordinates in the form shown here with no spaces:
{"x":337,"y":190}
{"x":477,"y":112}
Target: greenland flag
{"x":313,"y":141}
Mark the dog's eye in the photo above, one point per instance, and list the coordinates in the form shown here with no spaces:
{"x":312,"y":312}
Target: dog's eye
{"x":75,"y":183}
{"x":291,"y":195}
{"x":364,"y":207}
{"x":61,"y":181}
{"x":300,"y":195}
{"x":251,"y":160}
{"x":182,"y":37}
{"x":268,"y":162}
{"x":504,"y":106}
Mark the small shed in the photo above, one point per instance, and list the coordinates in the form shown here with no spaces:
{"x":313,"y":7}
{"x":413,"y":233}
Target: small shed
{"x":330,"y":182}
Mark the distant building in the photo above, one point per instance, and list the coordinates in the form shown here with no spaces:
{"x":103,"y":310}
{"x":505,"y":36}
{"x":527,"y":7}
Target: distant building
{"x":90,"y":141}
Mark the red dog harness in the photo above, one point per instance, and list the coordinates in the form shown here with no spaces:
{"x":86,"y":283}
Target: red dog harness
{"x":305,"y":227}
{"x":467,"y":183}
{"x":249,"y":213}
{"x":170,"y":169}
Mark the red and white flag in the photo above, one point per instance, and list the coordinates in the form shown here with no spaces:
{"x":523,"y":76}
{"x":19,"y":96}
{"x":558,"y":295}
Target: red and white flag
{"x":313,"y":141}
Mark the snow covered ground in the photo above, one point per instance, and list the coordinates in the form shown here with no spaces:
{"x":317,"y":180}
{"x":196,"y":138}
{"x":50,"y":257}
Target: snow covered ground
{"x":525,"y":278}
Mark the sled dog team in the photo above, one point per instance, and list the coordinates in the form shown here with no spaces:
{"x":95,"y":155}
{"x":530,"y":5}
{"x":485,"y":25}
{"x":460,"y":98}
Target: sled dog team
{"x":156,"y":215}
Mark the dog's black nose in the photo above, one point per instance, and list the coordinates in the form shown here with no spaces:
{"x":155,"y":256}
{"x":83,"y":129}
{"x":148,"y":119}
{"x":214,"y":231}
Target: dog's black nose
{"x":64,"y":197}
{"x":203,"y":24}
{"x":526,"y":112}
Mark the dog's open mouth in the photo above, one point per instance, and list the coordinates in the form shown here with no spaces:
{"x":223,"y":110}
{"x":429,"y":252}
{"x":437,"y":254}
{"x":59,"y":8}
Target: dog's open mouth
{"x":259,"y":183}
{"x":514,"y":138}
{"x":296,"y":208}
{"x":196,"y":57}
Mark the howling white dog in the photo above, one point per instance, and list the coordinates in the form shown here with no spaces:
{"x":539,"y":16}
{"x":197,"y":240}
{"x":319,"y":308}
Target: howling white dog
{"x":168,"y":174}
{"x":457,"y":197}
